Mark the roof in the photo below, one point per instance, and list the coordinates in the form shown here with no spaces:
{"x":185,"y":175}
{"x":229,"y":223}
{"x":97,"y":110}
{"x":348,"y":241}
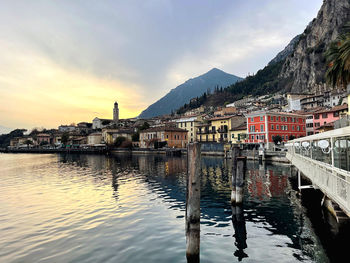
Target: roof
{"x":336,"y":108}
{"x":257,"y":113}
{"x":222,"y":118}
{"x":240,"y":127}
{"x":43,"y":135}
{"x":164,"y":128}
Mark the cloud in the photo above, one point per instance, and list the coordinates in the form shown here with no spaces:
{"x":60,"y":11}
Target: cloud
{"x":62,"y":61}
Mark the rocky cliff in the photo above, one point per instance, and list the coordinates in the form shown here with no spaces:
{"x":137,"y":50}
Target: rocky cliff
{"x":305,"y":67}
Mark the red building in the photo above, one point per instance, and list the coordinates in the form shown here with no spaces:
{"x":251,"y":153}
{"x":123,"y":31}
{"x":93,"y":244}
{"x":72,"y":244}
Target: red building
{"x":262,"y":126}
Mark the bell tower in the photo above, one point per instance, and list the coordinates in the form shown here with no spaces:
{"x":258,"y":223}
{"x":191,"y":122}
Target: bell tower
{"x":115,"y":113}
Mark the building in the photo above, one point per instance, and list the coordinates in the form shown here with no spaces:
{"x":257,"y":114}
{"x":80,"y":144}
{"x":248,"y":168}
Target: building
{"x":66,"y":128}
{"x":98,"y":123}
{"x":293,"y":100}
{"x":225,"y":111}
{"x":43,"y":138}
{"x":217,"y":129}
{"x":262,"y":127}
{"x":172,"y":137}
{"x":116,"y":113}
{"x":95,"y":138}
{"x":238,"y":133}
{"x":188,"y":124}
{"x":311,"y":102}
{"x":322,"y":117}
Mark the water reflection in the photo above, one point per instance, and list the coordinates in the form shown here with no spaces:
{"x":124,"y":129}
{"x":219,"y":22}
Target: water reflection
{"x":266,"y":205}
{"x":130,"y":208}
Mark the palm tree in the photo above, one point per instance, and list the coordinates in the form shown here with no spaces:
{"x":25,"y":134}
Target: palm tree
{"x":338,"y":59}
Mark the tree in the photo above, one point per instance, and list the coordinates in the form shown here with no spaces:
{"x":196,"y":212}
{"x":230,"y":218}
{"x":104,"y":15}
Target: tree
{"x":292,"y":137}
{"x":135,"y":137}
{"x":64,"y":138}
{"x":144,"y":126}
{"x":119,"y":141}
{"x":28,"y":142}
{"x":338,"y":59}
{"x":277,"y":139}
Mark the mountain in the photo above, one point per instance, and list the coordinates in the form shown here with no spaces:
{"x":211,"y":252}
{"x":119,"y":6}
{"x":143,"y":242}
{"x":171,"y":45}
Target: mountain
{"x":300,"y":67}
{"x":192,"y":88}
{"x":4,"y":130}
{"x":289,"y":49}
{"x":305,"y":67}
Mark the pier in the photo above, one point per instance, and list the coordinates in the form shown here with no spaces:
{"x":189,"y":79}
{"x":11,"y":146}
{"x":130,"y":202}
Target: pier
{"x":324,"y":159}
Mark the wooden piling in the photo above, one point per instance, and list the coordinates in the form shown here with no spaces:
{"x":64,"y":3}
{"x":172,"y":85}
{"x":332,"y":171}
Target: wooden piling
{"x":235,"y":151}
{"x":193,"y":202}
{"x":240,"y":179}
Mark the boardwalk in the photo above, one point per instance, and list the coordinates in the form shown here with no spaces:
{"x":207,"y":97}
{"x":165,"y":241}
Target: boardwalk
{"x":325,"y":160}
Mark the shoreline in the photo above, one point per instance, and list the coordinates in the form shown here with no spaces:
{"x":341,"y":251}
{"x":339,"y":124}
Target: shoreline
{"x":250,"y":154}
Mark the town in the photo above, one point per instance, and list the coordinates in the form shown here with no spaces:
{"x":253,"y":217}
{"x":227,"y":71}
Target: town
{"x":265,"y":121}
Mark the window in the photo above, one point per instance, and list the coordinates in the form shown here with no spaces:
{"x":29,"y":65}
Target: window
{"x":286,"y":128}
{"x":336,"y":114}
{"x":271,"y":126}
{"x":262,"y":127}
{"x":233,"y":136}
{"x":191,"y":123}
{"x":317,"y":124}
{"x":286,"y":137}
{"x":261,"y":118}
{"x":167,"y":136}
{"x":252,"y":128}
{"x":324,"y":115}
{"x":282,"y":137}
{"x":293,"y":127}
{"x":277,"y":127}
{"x":252,"y":137}
{"x":252,"y":119}
{"x":298,"y":128}
{"x":317,"y":116}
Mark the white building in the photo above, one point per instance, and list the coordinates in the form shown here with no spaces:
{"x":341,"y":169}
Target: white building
{"x":95,"y":138}
{"x":189,"y":125}
{"x":66,"y":128}
{"x":98,"y":123}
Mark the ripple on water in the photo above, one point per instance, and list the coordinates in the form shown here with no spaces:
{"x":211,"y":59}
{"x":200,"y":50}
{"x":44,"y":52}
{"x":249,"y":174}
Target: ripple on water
{"x":86,"y":208}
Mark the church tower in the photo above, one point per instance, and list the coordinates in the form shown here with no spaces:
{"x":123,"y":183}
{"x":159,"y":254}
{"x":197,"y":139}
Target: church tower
{"x":115,"y":113}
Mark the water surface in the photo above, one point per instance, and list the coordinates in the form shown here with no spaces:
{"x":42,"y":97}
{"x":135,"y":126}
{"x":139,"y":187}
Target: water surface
{"x":123,"y":208}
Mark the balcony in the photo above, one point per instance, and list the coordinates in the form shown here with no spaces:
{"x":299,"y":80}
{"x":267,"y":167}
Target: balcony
{"x":222,"y":130}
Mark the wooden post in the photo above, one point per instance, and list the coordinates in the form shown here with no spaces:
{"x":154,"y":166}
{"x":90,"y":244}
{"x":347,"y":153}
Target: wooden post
{"x":234,"y":155}
{"x":240,"y":179}
{"x":193,"y":202}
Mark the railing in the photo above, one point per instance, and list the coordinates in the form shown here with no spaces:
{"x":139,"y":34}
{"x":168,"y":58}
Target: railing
{"x":325,"y":159}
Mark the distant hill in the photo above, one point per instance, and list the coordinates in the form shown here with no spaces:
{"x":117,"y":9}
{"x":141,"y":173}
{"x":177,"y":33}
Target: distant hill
{"x":192,"y":88}
{"x":4,"y":130}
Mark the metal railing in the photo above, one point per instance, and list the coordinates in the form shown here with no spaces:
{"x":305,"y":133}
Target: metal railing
{"x":325,"y":159}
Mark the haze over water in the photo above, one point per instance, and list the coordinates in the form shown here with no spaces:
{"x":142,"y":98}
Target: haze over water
{"x":86,"y":208}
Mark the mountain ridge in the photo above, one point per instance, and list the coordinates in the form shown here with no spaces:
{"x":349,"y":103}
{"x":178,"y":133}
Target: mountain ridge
{"x":191,"y":88}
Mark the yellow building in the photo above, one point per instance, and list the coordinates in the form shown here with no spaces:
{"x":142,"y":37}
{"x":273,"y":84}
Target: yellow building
{"x":189,"y":124}
{"x":218,"y":129}
{"x":238,"y":134}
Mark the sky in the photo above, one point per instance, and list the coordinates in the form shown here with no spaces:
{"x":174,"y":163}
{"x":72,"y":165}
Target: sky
{"x":67,"y":61}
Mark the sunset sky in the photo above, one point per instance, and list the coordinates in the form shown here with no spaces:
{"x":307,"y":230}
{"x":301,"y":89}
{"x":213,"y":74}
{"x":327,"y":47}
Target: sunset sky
{"x":68,"y":61}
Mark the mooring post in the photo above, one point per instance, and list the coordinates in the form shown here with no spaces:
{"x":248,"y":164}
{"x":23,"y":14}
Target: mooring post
{"x":193,"y":202}
{"x":241,"y":164}
{"x":234,"y":154}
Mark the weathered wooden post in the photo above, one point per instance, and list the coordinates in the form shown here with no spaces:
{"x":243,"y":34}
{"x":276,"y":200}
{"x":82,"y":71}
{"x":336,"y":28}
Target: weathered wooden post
{"x":234,"y":154}
{"x":193,"y":202}
{"x":241,"y":164}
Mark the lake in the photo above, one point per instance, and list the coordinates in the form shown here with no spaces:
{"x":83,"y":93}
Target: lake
{"x":130,"y":208}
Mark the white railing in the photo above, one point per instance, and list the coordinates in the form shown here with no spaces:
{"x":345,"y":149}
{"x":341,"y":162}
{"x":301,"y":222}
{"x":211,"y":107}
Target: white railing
{"x":325,"y":159}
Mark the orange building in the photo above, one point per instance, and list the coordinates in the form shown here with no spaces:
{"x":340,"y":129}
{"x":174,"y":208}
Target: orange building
{"x":156,"y":137}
